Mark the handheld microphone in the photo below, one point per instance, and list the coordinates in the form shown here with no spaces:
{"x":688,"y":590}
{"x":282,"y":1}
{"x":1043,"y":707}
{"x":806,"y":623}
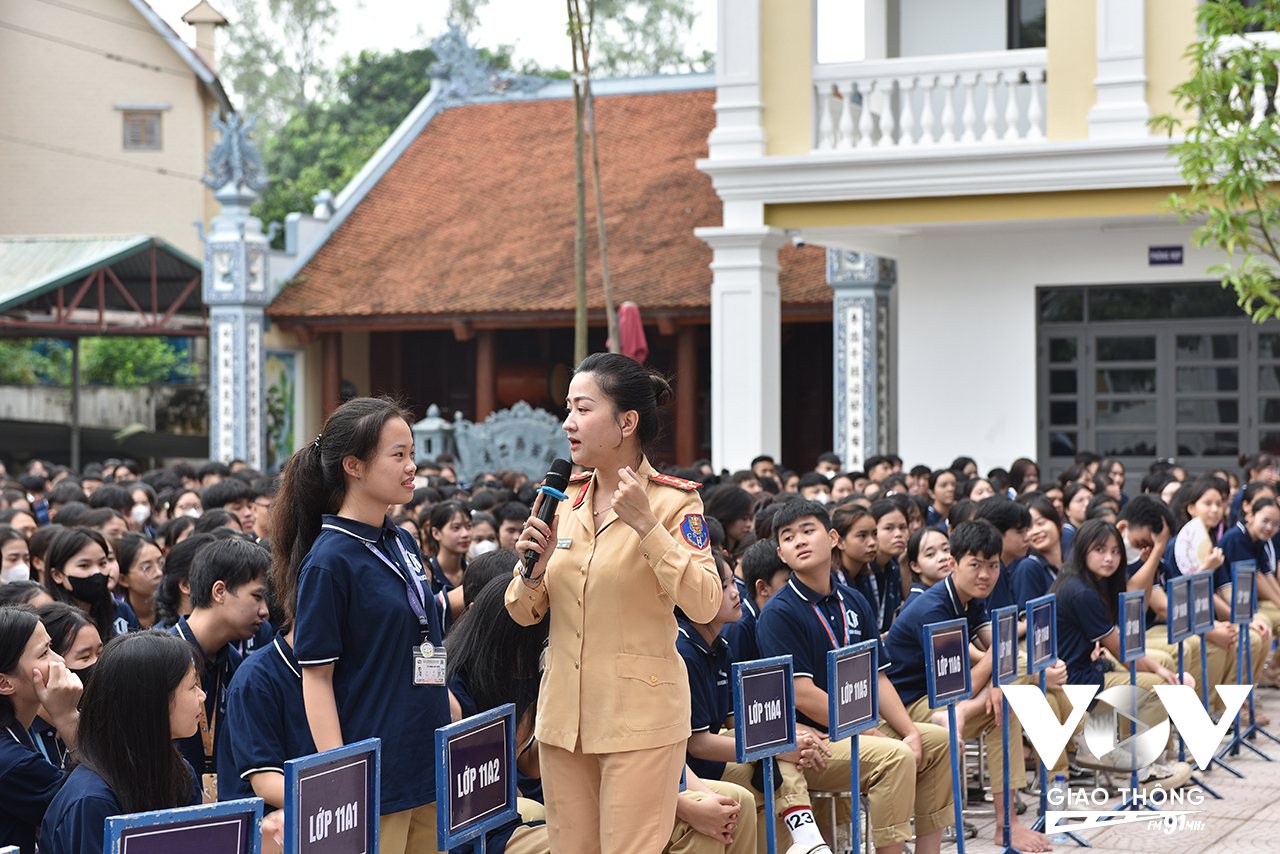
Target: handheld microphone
{"x":552,"y":489}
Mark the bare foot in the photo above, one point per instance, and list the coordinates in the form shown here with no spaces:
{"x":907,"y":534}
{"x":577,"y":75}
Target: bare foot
{"x":1024,"y":838}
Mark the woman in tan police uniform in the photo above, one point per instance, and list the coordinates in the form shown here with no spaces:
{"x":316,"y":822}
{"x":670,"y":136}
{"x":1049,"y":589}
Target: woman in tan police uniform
{"x":626,"y":548}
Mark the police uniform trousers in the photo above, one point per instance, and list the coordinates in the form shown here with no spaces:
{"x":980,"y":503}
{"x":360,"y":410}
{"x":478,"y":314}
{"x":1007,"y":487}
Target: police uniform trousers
{"x":685,"y":840}
{"x":611,"y":803}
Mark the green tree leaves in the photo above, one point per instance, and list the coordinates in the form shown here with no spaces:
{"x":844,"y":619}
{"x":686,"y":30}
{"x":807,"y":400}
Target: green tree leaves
{"x":124,"y":363}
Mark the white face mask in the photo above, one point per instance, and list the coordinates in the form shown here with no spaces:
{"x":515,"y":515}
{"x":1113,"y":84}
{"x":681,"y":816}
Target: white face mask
{"x":21,"y":572}
{"x":194,"y":513}
{"x":481,"y":547}
{"x":822,"y":498}
{"x":1131,"y":555}
{"x":140,"y":513}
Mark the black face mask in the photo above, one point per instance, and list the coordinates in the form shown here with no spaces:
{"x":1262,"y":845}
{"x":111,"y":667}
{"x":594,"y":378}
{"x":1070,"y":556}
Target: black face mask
{"x":89,"y":589}
{"x":84,"y":673}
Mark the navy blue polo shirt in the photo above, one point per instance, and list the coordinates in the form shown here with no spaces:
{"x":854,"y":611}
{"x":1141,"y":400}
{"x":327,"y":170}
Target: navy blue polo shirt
{"x":917,"y":588}
{"x":1029,"y":578}
{"x":882,"y":588}
{"x":934,"y":519}
{"x":44,"y":736}
{"x":790,"y":625}
{"x":440,"y":582}
{"x":1001,"y":595}
{"x":266,"y":634}
{"x":126,"y":620}
{"x":218,"y":673}
{"x":28,"y":782}
{"x":905,"y":642}
{"x":710,"y":695}
{"x":1237,"y":505}
{"x":78,"y":815}
{"x":1082,"y":622}
{"x":354,"y":613}
{"x":1069,"y":534}
{"x":266,"y":720}
{"x":1237,"y":545}
{"x":741,"y":634}
{"x":1158,"y":581}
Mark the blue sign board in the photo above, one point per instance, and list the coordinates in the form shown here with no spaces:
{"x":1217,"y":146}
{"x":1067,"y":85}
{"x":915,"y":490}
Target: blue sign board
{"x":1243,"y":597}
{"x":947,"y":662}
{"x":1004,"y":645}
{"x":1164,"y":255}
{"x":853,"y":677}
{"x":1202,"y":602}
{"x":230,"y":827}
{"x":1178,"y":608}
{"x":764,"y":708}
{"x":1133,"y":622}
{"x":333,"y":800}
{"x":475,"y":775}
{"x":1042,"y":633}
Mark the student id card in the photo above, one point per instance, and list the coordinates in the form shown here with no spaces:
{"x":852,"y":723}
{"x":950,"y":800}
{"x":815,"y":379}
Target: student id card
{"x":429,"y":664}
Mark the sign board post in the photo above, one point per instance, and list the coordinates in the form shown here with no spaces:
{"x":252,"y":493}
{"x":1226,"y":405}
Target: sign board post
{"x":1133,"y":646}
{"x":947,"y":676}
{"x":1178,"y":620}
{"x":475,"y":777}
{"x":853,"y":707}
{"x":1004,"y":669}
{"x":230,"y":827}
{"x":1244,"y":604}
{"x":332,"y":800}
{"x":764,"y":721}
{"x":1201,"y":617}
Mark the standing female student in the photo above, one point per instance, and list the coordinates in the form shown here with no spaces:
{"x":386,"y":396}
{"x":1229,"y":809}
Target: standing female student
{"x":626,"y":548}
{"x":143,"y":695}
{"x":367,"y":632}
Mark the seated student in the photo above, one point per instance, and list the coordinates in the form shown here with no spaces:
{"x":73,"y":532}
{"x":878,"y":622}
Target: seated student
{"x":711,"y":752}
{"x":77,"y":572}
{"x":264,"y":495}
{"x":962,"y":511}
{"x":707,"y":818}
{"x":841,"y":488}
{"x":1013,"y":521}
{"x":484,"y":535}
{"x":877,"y":467}
{"x":141,"y":568}
{"x":228,"y":604}
{"x":15,"y":555}
{"x":1247,"y":541}
{"x":1088,"y":589}
{"x":447,"y":532}
{"x":24,"y":593}
{"x":1268,"y":585}
{"x":511,"y":516}
{"x":173,"y":596}
{"x":880,"y":583}
{"x":74,"y":637}
{"x":977,"y":489}
{"x":1075,"y":503}
{"x":763,"y":574}
{"x":1102,"y":506}
{"x":143,"y":697}
{"x":905,"y":772}
{"x":32,"y":677}
{"x":1033,"y":575}
{"x":233,"y":495}
{"x":928,"y":560}
{"x":976,"y":548}
{"x":857,"y":544}
{"x":815,"y":486}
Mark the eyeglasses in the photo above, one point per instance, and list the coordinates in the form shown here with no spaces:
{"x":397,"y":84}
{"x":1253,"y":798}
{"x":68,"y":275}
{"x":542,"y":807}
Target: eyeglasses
{"x":152,"y":567}
{"x":264,"y":506}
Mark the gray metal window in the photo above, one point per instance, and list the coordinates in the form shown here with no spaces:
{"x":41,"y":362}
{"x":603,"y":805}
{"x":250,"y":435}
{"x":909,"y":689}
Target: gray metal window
{"x":141,"y":129}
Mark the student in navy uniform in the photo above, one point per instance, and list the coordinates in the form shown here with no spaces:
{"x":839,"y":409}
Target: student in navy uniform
{"x":907,"y":771}
{"x":144,"y":697}
{"x":447,"y":533}
{"x":76,"y":572}
{"x":975,"y":547}
{"x":32,"y":676}
{"x":15,"y":555}
{"x":1247,"y":542}
{"x":141,"y":568}
{"x":1257,"y":468}
{"x":1032,"y":576}
{"x":1265,"y":551}
{"x":928,"y":560}
{"x":1075,"y":503}
{"x":881,"y":582}
{"x":228,"y":604}
{"x":857,"y":544}
{"x":763,"y":574}
{"x":236,"y":497}
{"x":75,"y":638}
{"x":1013,"y":521}
{"x":366,"y":627}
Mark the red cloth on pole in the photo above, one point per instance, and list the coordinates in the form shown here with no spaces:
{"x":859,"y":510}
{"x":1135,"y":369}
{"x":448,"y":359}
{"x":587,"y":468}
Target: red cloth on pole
{"x":631,"y":332}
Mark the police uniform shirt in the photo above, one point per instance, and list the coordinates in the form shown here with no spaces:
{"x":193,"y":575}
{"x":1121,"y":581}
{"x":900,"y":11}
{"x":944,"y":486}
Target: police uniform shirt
{"x":28,"y":783}
{"x":1030,"y":577}
{"x":710,"y":696}
{"x":1082,"y":622}
{"x":354,"y":613}
{"x":75,"y":821}
{"x":741,"y":634}
{"x":882,"y":588}
{"x":789,"y":625}
{"x":266,"y":722}
{"x":218,"y":672}
{"x":906,"y":640}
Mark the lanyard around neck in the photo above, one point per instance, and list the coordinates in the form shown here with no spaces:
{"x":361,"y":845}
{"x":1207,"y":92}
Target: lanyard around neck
{"x":844,"y":621}
{"x":412,"y":585}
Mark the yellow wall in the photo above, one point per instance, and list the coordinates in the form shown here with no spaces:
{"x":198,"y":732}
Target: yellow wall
{"x":1077,"y":203}
{"x":785,"y":70}
{"x":1071,"y":36}
{"x":1171,"y":28}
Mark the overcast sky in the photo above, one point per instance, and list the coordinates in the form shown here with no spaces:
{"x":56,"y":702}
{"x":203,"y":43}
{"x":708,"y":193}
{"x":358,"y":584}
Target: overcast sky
{"x":536,"y":28}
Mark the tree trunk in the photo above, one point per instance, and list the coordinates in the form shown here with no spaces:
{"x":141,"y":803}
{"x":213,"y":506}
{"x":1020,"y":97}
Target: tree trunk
{"x":610,"y":316}
{"x":580,"y":233}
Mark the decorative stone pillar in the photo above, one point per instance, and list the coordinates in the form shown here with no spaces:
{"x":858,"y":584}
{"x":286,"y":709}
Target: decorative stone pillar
{"x":1122,"y":110}
{"x":860,"y":326}
{"x":236,"y":290}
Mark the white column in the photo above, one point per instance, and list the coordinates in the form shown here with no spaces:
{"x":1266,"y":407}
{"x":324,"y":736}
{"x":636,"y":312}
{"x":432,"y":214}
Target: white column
{"x":746,"y":344}
{"x":1121,"y":110}
{"x":738,"y":131}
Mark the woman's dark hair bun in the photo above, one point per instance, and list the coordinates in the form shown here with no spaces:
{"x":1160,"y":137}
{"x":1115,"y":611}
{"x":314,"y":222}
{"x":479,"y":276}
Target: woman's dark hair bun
{"x":630,"y":385}
{"x":662,"y":393}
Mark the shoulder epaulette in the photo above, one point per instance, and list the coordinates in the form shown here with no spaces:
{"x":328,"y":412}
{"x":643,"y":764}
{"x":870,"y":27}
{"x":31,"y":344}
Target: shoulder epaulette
{"x":580,"y":476}
{"x":678,"y":483}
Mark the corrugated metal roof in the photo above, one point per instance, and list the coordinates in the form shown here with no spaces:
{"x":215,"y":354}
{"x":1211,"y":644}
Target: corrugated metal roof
{"x":31,"y":266}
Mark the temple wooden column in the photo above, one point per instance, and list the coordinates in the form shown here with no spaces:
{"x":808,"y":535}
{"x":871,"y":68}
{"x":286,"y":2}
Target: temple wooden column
{"x":686,"y":395}
{"x":486,"y":374}
{"x":330,"y":372}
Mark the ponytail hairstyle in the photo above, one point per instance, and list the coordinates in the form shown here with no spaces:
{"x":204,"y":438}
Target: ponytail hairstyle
{"x":124,"y":734}
{"x":630,"y":386}
{"x":67,"y":544}
{"x":17,"y":624}
{"x":1094,"y":533}
{"x":441,"y":515}
{"x":314,"y":484}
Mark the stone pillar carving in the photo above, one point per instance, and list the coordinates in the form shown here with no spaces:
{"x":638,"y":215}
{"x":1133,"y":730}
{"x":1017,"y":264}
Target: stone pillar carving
{"x":860,"y":325}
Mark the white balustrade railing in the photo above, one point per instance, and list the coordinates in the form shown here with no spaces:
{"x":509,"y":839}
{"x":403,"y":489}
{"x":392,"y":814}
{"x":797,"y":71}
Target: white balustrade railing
{"x":963,"y":98}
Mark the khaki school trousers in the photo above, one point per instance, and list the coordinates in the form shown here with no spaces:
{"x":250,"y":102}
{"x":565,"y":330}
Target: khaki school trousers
{"x":987,"y":726}
{"x":686,"y":840}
